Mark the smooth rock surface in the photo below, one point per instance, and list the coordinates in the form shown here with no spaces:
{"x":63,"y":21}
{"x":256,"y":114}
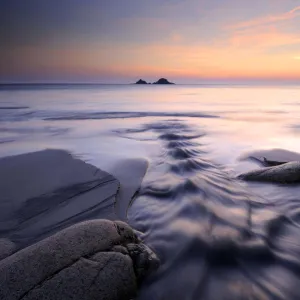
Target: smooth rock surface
{"x":282,"y":166}
{"x":285,"y":173}
{"x":44,"y":192}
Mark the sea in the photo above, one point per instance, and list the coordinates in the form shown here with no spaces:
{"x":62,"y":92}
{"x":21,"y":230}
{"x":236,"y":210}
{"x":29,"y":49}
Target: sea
{"x":217,"y":237}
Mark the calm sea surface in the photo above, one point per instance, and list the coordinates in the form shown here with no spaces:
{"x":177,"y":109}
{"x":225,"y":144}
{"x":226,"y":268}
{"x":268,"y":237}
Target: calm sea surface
{"x":217,"y":238}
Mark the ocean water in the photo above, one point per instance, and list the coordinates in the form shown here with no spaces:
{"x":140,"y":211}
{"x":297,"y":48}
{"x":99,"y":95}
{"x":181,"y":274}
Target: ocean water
{"x":217,"y":237}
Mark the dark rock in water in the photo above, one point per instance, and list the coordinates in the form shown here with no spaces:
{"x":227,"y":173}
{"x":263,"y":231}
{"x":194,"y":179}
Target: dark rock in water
{"x":144,"y":260}
{"x":43,"y":193}
{"x":141,"y":81}
{"x":50,"y":190}
{"x":265,"y":162}
{"x":90,"y":260}
{"x":272,"y":163}
{"x":160,"y":81}
{"x":46,"y":191}
{"x":283,"y":173}
{"x":163,"y":81}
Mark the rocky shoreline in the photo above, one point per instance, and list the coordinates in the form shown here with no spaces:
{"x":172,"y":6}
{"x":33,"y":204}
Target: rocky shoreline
{"x":60,"y":236}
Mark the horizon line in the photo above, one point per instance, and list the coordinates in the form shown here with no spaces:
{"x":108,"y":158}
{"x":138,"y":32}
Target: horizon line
{"x":207,"y":81}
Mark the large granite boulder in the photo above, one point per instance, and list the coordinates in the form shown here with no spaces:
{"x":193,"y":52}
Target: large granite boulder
{"x":97,"y":259}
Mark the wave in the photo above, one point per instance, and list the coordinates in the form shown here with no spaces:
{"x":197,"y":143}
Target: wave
{"x":6,"y":140}
{"x":14,"y":107}
{"x":49,"y":115}
{"x":11,"y":135}
{"x":178,"y":137}
{"x":215,"y":239}
{"x":180,"y":153}
{"x":173,"y":131}
{"x":35,"y":130}
{"x":16,"y":113}
{"x":124,"y":115}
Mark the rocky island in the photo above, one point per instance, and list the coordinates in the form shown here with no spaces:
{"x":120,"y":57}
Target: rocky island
{"x":163,"y":81}
{"x":141,"y":81}
{"x":159,"y":81}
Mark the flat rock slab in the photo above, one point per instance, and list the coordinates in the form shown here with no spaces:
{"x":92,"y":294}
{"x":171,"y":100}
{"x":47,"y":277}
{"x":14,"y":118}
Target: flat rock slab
{"x":44,"y":192}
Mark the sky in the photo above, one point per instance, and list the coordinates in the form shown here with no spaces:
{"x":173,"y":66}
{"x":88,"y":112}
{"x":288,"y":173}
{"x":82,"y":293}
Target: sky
{"x":120,"y":41}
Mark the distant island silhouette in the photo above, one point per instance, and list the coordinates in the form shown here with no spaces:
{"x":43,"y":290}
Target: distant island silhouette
{"x":163,"y":81}
{"x":141,"y":81}
{"x":160,"y":81}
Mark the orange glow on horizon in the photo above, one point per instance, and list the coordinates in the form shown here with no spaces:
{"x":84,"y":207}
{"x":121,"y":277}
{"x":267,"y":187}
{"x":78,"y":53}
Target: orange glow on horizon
{"x":243,"y":54}
{"x":256,"y":44}
{"x":236,"y":60}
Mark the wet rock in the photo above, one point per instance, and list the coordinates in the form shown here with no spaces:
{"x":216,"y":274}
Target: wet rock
{"x":7,"y":247}
{"x":284,"y":173}
{"x":144,"y":259}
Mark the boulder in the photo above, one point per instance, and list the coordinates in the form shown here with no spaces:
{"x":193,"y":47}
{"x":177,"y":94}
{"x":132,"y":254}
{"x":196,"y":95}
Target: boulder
{"x":46,"y":251}
{"x":97,"y":259}
{"x":283,"y":173}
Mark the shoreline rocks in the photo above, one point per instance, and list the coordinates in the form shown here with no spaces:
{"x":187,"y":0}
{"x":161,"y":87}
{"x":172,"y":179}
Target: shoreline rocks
{"x":283,"y":173}
{"x":90,"y":260}
{"x":279,"y":166}
{"x":60,"y":238}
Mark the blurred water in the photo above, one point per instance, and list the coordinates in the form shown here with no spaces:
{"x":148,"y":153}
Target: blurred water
{"x":218,"y":238}
{"x":245,"y":117}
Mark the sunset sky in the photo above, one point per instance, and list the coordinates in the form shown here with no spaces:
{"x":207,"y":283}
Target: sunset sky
{"x":120,"y":41}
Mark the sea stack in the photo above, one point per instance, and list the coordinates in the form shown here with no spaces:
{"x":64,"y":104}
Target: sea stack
{"x":163,"y":81}
{"x":141,"y":81}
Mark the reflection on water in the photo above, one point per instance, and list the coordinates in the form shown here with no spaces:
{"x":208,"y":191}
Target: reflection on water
{"x":217,"y":238}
